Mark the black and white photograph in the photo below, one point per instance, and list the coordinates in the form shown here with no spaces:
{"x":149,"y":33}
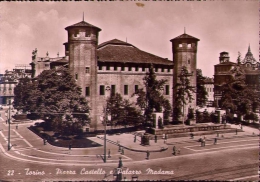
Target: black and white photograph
{"x":129,"y":90}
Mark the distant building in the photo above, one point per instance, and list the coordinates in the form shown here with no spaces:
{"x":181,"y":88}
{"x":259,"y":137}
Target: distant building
{"x":116,"y":66}
{"x":9,"y":79}
{"x":209,"y":86}
{"x":222,"y":72}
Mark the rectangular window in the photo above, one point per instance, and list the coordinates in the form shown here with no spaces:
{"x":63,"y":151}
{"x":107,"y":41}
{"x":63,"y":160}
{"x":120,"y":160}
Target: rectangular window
{"x":87,"y":69}
{"x":143,"y":68}
{"x":136,"y":68}
{"x":76,"y":33}
{"x":122,"y":68}
{"x":108,"y":67}
{"x":136,"y":88}
{"x":87,"y":92}
{"x":129,"y":68}
{"x":169,"y":69}
{"x":156,"y":69}
{"x":115,"y":68}
{"x":102,"y":90}
{"x":87,"y":34}
{"x":113,"y":90}
{"x":162,"y":69}
{"x":99,"y":67}
{"x":167,"y":90}
{"x":76,"y":76}
{"x":125,"y":89}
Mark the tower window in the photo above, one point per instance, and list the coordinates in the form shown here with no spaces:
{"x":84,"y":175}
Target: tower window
{"x":108,"y":67}
{"x":76,"y":33}
{"x":125,"y":89}
{"x":156,"y":69}
{"x":136,"y":68}
{"x":76,"y":76}
{"x":87,"y":34}
{"x":143,"y":68}
{"x":169,"y":69}
{"x":162,"y":69}
{"x":113,"y":90}
{"x":87,"y":69}
{"x":122,"y":68}
{"x":99,"y":67}
{"x":129,"y":68}
{"x":189,"y":45}
{"x":102,"y":90}
{"x":167,"y":90}
{"x":115,"y":68}
{"x":180,"y":45}
{"x":87,"y":92}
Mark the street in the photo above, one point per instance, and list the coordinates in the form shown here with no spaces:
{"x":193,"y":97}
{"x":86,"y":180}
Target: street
{"x":234,"y":157}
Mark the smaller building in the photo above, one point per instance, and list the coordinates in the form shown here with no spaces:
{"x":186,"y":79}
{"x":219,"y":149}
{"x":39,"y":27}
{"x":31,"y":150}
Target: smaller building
{"x":8,"y":81}
{"x":209,"y":86}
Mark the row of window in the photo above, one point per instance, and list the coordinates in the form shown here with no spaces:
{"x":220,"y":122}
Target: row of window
{"x":210,"y":89}
{"x":129,"y":68}
{"x":102,"y":89}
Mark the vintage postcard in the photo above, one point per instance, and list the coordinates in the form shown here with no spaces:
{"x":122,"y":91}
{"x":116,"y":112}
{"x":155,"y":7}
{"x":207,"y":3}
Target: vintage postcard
{"x":129,"y":90}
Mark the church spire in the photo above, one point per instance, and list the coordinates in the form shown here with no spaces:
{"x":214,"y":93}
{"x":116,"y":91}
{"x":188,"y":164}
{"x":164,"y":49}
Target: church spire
{"x":249,"y":50}
{"x":184,"y":30}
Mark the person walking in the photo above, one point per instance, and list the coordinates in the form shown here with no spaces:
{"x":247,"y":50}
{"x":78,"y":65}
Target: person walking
{"x":109,"y":153}
{"x":16,"y":126}
{"x":147,"y":154}
{"x":173,"y":150}
{"x":70,"y":146}
{"x":215,"y":141}
{"x":122,"y":151}
{"x":155,"y":138}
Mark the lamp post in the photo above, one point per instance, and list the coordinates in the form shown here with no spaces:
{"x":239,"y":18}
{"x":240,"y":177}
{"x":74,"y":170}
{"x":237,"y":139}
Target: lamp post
{"x":105,"y":118}
{"x":8,"y":115}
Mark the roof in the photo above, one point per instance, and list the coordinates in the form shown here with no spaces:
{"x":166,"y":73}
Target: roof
{"x":82,"y":24}
{"x":184,"y":36}
{"x":208,"y":80}
{"x":118,"y":51}
{"x":226,"y":63}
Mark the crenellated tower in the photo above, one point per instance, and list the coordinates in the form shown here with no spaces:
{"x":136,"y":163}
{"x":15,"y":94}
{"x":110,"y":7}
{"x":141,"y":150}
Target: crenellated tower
{"x":81,"y":49}
{"x":184,"y":50}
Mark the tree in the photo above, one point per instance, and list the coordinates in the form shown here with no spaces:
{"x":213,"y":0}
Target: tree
{"x":56,"y":97}
{"x":21,"y":94}
{"x":122,"y":111}
{"x":201,"y":90}
{"x":236,"y":95}
{"x":151,"y":99}
{"x":183,"y":93}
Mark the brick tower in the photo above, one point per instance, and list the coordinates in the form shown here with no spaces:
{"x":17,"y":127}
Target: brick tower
{"x":82,"y":52}
{"x":184,"y":50}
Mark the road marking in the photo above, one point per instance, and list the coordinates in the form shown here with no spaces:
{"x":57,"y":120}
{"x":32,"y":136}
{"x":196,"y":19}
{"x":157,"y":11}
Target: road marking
{"x":23,"y":138}
{"x":80,"y":161}
{"x":219,"y":147}
{"x":227,"y":142}
{"x":238,"y":179}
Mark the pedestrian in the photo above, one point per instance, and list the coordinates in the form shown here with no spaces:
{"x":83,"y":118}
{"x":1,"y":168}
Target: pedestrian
{"x":215,"y":141}
{"x":122,"y":151}
{"x":173,"y":150}
{"x":204,"y":143}
{"x":166,"y":136}
{"x":192,"y":135}
{"x":70,"y":146}
{"x":16,"y":126}
{"x":155,"y":138}
{"x":241,"y":127}
{"x":147,"y":154}
{"x":236,"y":131}
{"x":44,"y":142}
{"x":109,"y":153}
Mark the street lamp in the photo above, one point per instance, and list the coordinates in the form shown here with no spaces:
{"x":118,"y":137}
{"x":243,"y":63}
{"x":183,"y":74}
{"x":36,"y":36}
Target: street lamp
{"x":8,"y":115}
{"x":104,"y":119}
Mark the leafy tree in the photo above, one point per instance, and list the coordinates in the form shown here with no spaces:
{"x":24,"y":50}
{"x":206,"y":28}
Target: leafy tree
{"x":151,"y":98}
{"x":237,"y":96}
{"x":56,"y":97}
{"x":183,"y":92}
{"x":122,"y":111}
{"x":21,"y":94}
{"x":201,"y":90}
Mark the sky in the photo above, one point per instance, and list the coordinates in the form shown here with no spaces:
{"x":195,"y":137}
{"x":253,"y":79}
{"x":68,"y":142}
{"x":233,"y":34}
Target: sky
{"x":229,"y":26}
